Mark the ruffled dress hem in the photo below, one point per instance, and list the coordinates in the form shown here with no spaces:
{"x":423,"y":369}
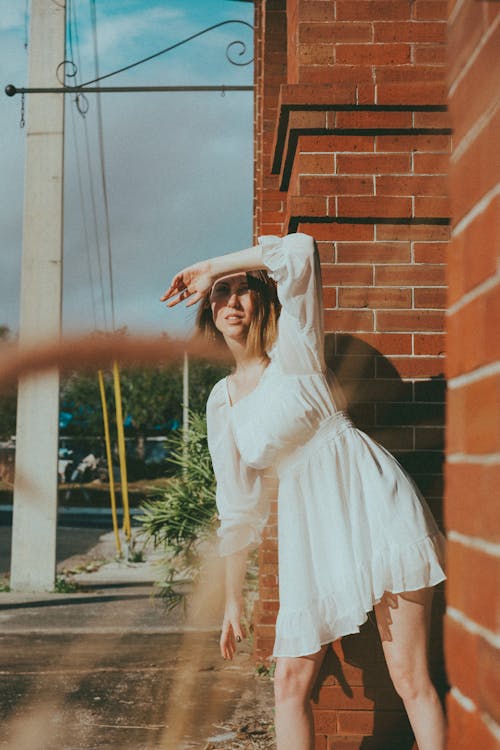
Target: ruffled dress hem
{"x":396,"y":570}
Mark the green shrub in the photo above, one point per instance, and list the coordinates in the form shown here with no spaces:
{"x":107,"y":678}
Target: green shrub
{"x":179,"y":516}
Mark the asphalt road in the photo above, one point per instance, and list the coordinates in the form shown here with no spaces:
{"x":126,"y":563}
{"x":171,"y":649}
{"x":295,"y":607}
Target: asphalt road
{"x":70,"y":542}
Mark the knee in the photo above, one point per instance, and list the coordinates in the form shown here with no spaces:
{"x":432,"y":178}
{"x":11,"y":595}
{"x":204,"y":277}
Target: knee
{"x":410,"y":684}
{"x":290,"y":684}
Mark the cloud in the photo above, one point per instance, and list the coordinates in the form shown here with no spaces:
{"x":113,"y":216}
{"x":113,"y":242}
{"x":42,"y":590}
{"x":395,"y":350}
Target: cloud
{"x":179,"y":168}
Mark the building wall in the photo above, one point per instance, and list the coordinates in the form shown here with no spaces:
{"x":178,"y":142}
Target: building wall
{"x":352,"y":147}
{"x":473,"y":369}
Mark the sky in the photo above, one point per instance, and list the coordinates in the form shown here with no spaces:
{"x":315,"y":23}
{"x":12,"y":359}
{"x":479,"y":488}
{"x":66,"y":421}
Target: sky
{"x":179,"y":166}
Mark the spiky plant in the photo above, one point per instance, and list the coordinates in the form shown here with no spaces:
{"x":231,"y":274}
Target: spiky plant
{"x":179,"y":516}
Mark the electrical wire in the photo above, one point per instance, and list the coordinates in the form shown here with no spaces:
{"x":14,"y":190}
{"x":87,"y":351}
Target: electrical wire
{"x":100,"y":129}
{"x":83,"y":213}
{"x":73,"y":33}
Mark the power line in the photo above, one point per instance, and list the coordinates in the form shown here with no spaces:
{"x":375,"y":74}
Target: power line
{"x":100,"y":129}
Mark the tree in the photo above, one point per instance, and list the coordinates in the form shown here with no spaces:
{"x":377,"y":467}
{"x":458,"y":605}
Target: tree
{"x":8,"y":399}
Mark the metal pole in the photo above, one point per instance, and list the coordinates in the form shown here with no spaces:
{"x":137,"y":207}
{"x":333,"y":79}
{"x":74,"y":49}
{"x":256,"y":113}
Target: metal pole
{"x":109,"y":459}
{"x":122,"y":453}
{"x":33,"y":563}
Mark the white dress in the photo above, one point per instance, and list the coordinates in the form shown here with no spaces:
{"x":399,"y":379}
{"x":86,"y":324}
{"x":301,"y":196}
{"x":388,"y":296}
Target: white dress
{"x":351,"y":523}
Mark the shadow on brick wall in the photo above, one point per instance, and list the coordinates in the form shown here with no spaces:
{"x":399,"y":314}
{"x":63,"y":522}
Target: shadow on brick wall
{"x":354,"y":700}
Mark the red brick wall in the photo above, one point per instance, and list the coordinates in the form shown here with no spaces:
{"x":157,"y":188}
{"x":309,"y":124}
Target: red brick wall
{"x":352,"y":147}
{"x":473,"y":368}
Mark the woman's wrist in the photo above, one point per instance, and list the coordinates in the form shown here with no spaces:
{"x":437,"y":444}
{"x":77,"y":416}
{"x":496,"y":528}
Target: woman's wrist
{"x":243,"y":260}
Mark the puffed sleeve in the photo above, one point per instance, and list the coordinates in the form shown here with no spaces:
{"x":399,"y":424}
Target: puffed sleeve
{"x":293,"y":262}
{"x":241,"y":496}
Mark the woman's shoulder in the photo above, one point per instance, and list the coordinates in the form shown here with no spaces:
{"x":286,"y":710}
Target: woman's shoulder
{"x":217,"y":398}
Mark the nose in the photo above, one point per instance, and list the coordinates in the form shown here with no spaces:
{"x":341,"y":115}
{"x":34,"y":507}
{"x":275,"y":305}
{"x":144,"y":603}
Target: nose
{"x":233,"y":300}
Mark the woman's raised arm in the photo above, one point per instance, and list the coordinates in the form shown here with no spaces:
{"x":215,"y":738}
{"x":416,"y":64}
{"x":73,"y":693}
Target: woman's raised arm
{"x":192,"y":282}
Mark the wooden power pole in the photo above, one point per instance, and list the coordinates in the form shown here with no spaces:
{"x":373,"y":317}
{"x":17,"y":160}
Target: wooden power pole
{"x":33,"y":563}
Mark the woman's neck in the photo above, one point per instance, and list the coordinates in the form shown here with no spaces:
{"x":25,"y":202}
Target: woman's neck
{"x":245,"y":361}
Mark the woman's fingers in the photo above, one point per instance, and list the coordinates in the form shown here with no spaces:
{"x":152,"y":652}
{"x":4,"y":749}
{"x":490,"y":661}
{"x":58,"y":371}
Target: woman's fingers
{"x":232,"y":633}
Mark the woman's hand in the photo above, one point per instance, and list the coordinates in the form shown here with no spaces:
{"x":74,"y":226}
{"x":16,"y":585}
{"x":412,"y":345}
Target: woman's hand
{"x":192,"y":282}
{"x":232,"y":631}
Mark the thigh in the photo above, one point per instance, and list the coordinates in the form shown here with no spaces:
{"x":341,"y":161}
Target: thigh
{"x":299,"y":672}
{"x":403,"y":624}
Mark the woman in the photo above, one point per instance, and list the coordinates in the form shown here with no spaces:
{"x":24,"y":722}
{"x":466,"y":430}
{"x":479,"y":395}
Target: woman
{"x":354,"y":533}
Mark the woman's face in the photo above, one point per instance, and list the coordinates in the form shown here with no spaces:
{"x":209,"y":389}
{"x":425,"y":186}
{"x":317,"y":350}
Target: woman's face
{"x":232,"y":306}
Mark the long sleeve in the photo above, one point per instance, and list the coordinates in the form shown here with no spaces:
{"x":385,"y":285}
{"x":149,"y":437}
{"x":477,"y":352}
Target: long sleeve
{"x":242,"y":501}
{"x":293,"y":262}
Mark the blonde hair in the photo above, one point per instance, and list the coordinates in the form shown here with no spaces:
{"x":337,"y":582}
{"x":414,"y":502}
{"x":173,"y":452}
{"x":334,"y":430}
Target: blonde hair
{"x":264,"y":326}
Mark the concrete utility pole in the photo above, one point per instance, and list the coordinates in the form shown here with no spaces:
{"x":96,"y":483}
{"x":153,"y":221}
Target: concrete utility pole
{"x":34,"y":529}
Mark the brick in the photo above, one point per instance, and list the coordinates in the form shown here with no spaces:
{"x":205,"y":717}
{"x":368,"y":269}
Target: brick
{"x":489,"y":679}
{"x":374,"y":252}
{"x":464,"y":34}
{"x":308,"y":205}
{"x":315,"y":163}
{"x":375,"y":298}
{"x":431,"y":120}
{"x":338,"y":185}
{"x":412,"y":232}
{"x":316,"y":54}
{"x":410,"y":32}
{"x":430,"y":10}
{"x":410,"y":367}
{"x":431,"y":298}
{"x":355,"y":143}
{"x":375,"y":206}
{"x":367,"y":10}
{"x":463,"y":670}
{"x":336,"y":74}
{"x":326,"y":252}
{"x":430,"y":54}
{"x":381,"y":119}
{"x":465,"y":484}
{"x":321,"y":33}
{"x":430,"y":438}
{"x":342,"y":275}
{"x":421,"y":143}
{"x":430,"y":252}
{"x":372,"y":54}
{"x":473,"y":333}
{"x":409,"y":74}
{"x":335,"y":697}
{"x":429,"y":343}
{"x":483,"y":427}
{"x":473,"y":252}
{"x":330,"y":297}
{"x":477,"y":90}
{"x":373,"y":164}
{"x":419,"y":185}
{"x":418,"y":92}
{"x":473,"y":580}
{"x":351,"y":320}
{"x":325,"y":721}
{"x":410,"y":275}
{"x":432,"y":164}
{"x":466,"y":729}
{"x":316,"y":11}
{"x":388,"y":343}
{"x":411,"y":320}
{"x":437,"y":206}
{"x":481,"y":159}
{"x":334,"y":231}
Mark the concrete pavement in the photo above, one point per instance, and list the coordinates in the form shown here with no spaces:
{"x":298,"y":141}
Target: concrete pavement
{"x":109,"y":667}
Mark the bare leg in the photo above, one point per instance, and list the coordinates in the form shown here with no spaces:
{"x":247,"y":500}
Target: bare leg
{"x":293,"y":681}
{"x":403,"y":623}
